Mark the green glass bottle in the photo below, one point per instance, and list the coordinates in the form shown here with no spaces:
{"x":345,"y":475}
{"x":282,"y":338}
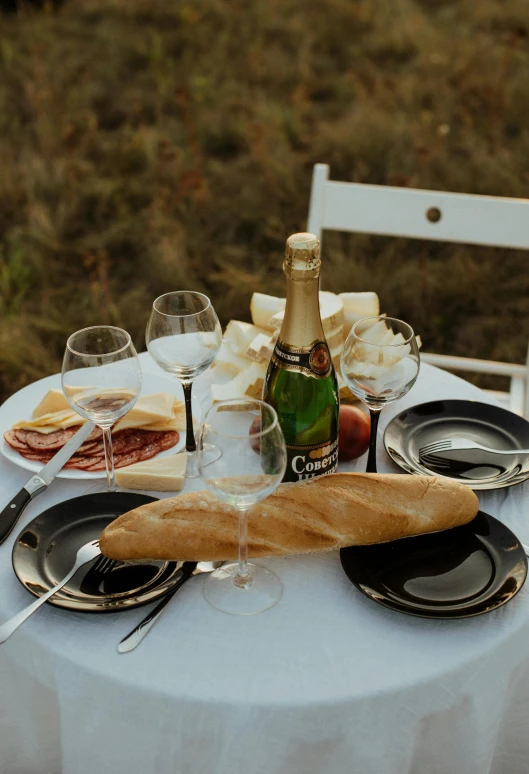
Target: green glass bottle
{"x":300,"y":382}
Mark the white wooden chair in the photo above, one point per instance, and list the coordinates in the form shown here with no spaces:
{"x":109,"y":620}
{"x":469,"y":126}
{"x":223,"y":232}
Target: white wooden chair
{"x":450,"y":217}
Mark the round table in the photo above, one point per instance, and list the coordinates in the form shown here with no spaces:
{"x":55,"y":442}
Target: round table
{"x":325,"y":681}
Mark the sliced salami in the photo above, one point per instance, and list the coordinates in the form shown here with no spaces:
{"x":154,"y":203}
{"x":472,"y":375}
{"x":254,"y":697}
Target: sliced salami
{"x":11,"y":438}
{"x":21,"y":435}
{"x":169,"y":438}
{"x":95,"y":435}
{"x":122,"y":460}
{"x":150,"y":450}
{"x":48,"y":441}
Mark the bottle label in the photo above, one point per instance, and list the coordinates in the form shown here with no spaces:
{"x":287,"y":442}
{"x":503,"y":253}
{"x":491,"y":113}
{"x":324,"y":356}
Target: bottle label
{"x":313,"y":361}
{"x":311,"y":461}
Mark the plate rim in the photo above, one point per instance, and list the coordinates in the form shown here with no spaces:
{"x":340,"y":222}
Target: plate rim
{"x":78,"y":607}
{"x":424,"y":471}
{"x":72,"y":473}
{"x":401,"y":607}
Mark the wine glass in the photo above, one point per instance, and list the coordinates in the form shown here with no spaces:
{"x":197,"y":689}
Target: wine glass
{"x":252,"y":465}
{"x":380,"y":363}
{"x":101,"y":380}
{"x":184,"y":336}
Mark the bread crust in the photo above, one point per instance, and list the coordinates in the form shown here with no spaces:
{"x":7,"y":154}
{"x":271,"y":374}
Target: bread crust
{"x":329,"y":512}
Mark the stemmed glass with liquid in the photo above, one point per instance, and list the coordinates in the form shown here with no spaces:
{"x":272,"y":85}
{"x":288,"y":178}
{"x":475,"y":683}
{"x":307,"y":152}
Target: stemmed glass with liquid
{"x":183,"y":337}
{"x":250,"y":468}
{"x":101,"y":380}
{"x":380,"y":363}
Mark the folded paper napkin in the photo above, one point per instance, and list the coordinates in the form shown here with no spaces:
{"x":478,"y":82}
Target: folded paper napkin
{"x":159,"y":411}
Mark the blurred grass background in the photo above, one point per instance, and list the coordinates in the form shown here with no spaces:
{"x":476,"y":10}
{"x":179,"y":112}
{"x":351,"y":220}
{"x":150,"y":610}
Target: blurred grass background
{"x":148,"y":146}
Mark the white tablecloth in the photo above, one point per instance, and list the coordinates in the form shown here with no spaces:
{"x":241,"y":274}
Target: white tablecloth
{"x":326,"y":681}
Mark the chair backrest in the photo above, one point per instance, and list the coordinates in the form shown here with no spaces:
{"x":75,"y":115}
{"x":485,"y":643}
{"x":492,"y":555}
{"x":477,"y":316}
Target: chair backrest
{"x":409,"y":212}
{"x":420,"y":214}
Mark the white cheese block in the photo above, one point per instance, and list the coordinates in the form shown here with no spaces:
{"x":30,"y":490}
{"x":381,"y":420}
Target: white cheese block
{"x":228,"y":362}
{"x":358,"y":305}
{"x":261,"y":348}
{"x":165,"y":474}
{"x":335,"y":338}
{"x":240,"y":335}
{"x":263,"y":307}
{"x":331,"y":313}
{"x":249,"y":382}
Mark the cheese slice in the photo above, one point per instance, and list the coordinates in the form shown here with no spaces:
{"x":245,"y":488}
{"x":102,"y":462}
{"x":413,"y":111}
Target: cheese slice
{"x":358,"y":305}
{"x":165,"y":474}
{"x":263,"y":307}
{"x":158,"y":411}
{"x":54,"y":401}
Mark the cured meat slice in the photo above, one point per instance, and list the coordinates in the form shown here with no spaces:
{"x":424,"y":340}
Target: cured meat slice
{"x":95,"y":435}
{"x":169,"y":438}
{"x":21,"y":435}
{"x":150,"y":450}
{"x":38,"y":456}
{"x":11,"y":438}
{"x":122,"y":460}
{"x":81,"y":463}
{"x":48,"y":441}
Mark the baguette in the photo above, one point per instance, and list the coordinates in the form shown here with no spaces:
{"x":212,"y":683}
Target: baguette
{"x":342,"y":509}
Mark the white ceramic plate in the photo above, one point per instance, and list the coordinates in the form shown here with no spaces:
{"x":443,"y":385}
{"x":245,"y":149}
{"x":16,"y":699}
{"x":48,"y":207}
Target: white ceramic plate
{"x":21,"y":404}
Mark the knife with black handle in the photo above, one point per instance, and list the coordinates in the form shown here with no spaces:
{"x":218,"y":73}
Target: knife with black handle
{"x":40,"y":481}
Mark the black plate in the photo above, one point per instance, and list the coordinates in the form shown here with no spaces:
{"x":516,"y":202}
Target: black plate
{"x":489,"y":425}
{"x":458,"y":573}
{"x":46,"y":548}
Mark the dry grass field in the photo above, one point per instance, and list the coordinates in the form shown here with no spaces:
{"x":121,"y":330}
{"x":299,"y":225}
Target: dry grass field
{"x":150,"y":145}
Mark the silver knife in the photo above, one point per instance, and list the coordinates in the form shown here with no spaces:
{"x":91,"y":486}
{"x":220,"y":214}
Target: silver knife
{"x":40,"y":481}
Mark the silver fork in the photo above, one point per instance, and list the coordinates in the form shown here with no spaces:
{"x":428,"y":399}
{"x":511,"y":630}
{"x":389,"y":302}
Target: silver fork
{"x":85,"y":554}
{"x":456,"y":444}
{"x":93,"y":579}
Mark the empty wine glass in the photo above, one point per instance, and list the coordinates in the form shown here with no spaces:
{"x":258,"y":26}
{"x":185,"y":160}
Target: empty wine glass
{"x":380,"y":363}
{"x":251,"y":467}
{"x":184,"y":336}
{"x":101,"y":380}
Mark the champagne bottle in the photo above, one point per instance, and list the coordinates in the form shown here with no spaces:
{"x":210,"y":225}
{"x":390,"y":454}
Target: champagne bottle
{"x":300,"y":382}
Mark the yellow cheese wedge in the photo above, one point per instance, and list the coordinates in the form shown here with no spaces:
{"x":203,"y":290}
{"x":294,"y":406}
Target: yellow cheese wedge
{"x":165,"y":474}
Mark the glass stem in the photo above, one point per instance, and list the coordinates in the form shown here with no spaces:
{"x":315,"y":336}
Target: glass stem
{"x":109,"y":458}
{"x":190,"y":435}
{"x":242,"y":577}
{"x":372,"y":458}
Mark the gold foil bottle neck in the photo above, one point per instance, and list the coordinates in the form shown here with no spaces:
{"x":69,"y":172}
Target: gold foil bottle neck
{"x":302,"y":256}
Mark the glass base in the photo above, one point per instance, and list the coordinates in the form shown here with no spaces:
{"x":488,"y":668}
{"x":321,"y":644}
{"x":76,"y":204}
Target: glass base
{"x":263,"y":592}
{"x":208,"y":454}
{"x":100,"y":487}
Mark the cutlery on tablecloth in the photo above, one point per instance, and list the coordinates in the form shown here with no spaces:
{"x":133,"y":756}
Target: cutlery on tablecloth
{"x":85,"y":554}
{"x":189,"y":569}
{"x":460,"y":444}
{"x":40,"y":481}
